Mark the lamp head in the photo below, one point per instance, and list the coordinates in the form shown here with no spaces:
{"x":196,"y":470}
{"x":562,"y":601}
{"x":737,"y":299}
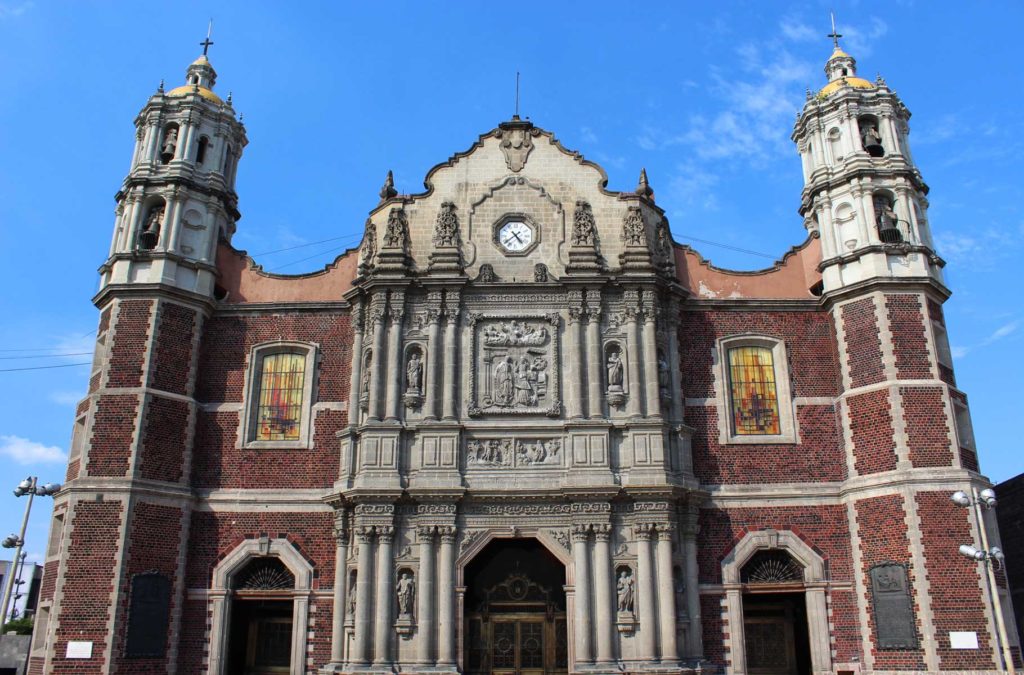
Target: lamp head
{"x":48,"y":489}
{"x":988,"y":495}
{"x":960,"y":498}
{"x":969,"y":551}
{"x":10,"y":541}
{"x":996,"y":552}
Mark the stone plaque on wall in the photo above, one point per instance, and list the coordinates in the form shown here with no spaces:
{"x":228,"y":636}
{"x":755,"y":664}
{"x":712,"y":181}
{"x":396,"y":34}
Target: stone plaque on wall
{"x":893,"y":605}
{"x":148,"y":616}
{"x":515,"y":365}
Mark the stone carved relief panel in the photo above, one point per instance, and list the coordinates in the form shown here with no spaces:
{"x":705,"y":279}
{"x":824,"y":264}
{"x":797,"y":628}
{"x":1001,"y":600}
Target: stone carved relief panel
{"x":501,"y":453}
{"x":515,"y":365}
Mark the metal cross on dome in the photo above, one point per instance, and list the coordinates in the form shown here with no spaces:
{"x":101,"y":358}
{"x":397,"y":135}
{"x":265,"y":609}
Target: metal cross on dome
{"x":205,"y":44}
{"x":835,"y":35}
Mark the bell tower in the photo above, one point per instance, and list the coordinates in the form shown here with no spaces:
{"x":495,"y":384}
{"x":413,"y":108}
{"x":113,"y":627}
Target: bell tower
{"x":862,"y":192}
{"x":178,"y":199}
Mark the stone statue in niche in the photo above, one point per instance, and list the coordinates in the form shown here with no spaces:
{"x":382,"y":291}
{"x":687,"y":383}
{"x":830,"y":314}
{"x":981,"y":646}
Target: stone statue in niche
{"x":406,"y":591}
{"x":170,"y":145}
{"x":584,"y":231}
{"x":397,"y":231}
{"x":633,"y":231}
{"x":151,"y":230}
{"x":614,"y":371}
{"x":351,"y":609}
{"x":414,"y":379}
{"x":663,"y":375}
{"x":364,"y":382}
{"x":624,"y":591}
{"x":446,"y":229}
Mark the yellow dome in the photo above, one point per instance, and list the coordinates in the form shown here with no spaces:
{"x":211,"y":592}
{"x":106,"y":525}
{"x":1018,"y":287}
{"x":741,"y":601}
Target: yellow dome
{"x":192,"y":89}
{"x":836,"y":85}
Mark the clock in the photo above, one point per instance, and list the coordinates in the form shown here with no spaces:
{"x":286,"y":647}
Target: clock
{"x":515,"y":236}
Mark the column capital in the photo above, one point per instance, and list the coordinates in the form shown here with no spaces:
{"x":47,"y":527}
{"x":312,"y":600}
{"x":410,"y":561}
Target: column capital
{"x":341,"y":532}
{"x":448,"y":533}
{"x":579,"y":532}
{"x":602,"y":532}
{"x":644,"y":531}
{"x":364,"y":534}
{"x":385,"y":533}
{"x":665,"y":531}
{"x":425,"y":533}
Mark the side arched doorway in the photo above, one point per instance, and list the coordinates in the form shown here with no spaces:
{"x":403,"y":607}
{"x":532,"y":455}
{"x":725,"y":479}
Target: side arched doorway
{"x":515,"y":620}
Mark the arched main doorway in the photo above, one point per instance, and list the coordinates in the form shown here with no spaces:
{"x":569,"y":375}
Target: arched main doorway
{"x":515,"y":621}
{"x":260,"y":635}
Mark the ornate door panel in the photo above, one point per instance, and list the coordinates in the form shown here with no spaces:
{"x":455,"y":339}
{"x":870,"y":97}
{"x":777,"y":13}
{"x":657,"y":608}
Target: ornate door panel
{"x":515,"y":644}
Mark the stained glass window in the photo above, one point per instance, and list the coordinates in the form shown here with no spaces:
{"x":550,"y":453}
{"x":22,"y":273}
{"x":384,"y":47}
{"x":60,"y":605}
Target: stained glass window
{"x":279,"y":412}
{"x":755,"y":403}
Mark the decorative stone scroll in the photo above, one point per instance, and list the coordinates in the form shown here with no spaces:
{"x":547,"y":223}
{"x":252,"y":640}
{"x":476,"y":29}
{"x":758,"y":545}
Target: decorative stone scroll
{"x":893,"y":605}
{"x":514,"y":365}
{"x":499,"y":453}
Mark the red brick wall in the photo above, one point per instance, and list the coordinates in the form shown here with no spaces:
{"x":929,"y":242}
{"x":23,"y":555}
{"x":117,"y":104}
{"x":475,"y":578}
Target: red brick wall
{"x":112,"y":431}
{"x":883,"y":538}
{"x":130,"y":339}
{"x":810,"y":345}
{"x":715,"y":646}
{"x":927,"y":423}
{"x":165,"y":433}
{"x":935,"y":312}
{"x":863,"y":343}
{"x":172,"y":348}
{"x":192,"y":645}
{"x":818,"y":457}
{"x":871,"y":428}
{"x":153,"y":536}
{"x":89,"y":562}
{"x":956,"y":595}
{"x":906,"y":322}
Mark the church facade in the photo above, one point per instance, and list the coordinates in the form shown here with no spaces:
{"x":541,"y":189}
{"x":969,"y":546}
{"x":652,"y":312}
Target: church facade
{"x":520,"y":430}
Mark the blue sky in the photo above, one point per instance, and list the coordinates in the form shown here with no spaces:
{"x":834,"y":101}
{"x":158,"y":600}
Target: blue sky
{"x":334,"y":94}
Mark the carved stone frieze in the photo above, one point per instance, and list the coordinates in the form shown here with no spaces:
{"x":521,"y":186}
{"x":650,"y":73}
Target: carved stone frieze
{"x":516,"y":509}
{"x":434,"y":509}
{"x":561,"y":535}
{"x":512,"y":453}
{"x":468,"y":538}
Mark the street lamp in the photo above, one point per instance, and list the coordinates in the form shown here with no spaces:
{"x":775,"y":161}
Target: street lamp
{"x":992,"y":557}
{"x":29,"y":487}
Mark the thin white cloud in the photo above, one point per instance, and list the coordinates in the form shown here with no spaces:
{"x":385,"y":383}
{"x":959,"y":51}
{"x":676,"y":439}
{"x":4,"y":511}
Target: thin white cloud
{"x":1005,"y":330}
{"x":858,"y":40}
{"x":24,"y":451}
{"x":587,"y":135}
{"x":12,"y":10}
{"x":68,"y":398}
{"x":959,"y":352}
{"x":796,"y":30}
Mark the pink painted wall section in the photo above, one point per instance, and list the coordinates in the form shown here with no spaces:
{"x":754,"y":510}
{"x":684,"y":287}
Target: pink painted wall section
{"x":245,"y":282}
{"x":791,"y":278}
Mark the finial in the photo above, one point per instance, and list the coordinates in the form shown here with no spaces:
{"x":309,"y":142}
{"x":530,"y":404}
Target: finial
{"x":879,"y":80}
{"x":808,"y":94}
{"x":835,"y":35}
{"x":229,"y":98}
{"x":388,"y":190}
{"x":241,"y":116}
{"x":160,"y":89}
{"x":205,"y":44}
{"x":643,"y":188}
{"x":516,"y":115}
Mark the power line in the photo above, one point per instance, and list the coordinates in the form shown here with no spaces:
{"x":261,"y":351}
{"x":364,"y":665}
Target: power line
{"x":315,"y":255}
{"x":44,"y":356}
{"x":731,"y":248}
{"x":63,"y":365}
{"x":312,"y":243}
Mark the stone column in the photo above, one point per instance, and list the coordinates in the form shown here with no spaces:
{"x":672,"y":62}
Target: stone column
{"x":595,"y":362}
{"x":171,"y":227}
{"x":395,"y":367}
{"x":451,"y":359}
{"x":633,"y":362}
{"x":905,"y":212}
{"x":675,"y":377}
{"x":184,"y":134}
{"x":364,"y":597}
{"x":646,"y":601}
{"x":435,"y":354}
{"x":376,"y":320}
{"x":650,"y":327}
{"x":152,"y":140}
{"x":129,"y":223}
{"x":574,"y":363}
{"x":694,"y":645}
{"x":340,"y":589}
{"x":357,"y":363}
{"x":446,"y":597}
{"x":666,"y":596}
{"x":385,"y":597}
{"x":582,"y":613}
{"x":604,"y":607}
{"x":425,"y":595}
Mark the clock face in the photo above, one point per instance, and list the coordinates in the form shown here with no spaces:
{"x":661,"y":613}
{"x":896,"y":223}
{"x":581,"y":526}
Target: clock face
{"x":515,"y":236}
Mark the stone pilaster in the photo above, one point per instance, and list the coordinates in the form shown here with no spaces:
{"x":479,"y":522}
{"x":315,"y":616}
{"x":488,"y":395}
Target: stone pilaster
{"x":645,"y":589}
{"x":356,"y":378}
{"x":435,"y":357}
{"x":631,"y":315}
{"x":446,"y":597}
{"x":604,"y":607}
{"x":451,"y":338}
{"x":595,"y":365}
{"x":341,"y":538}
{"x":666,"y":595}
{"x":395,"y":367}
{"x":649,"y":331}
{"x":573,"y":356}
{"x":376,"y":320}
{"x":364,"y":597}
{"x":384,"y":608}
{"x":582,"y":611}
{"x":426,"y":594}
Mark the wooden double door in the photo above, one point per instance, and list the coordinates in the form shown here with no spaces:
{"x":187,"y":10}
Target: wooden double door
{"x":517,"y":643}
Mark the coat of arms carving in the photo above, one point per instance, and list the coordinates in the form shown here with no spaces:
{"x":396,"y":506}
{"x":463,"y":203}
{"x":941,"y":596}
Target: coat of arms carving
{"x":516,"y":142}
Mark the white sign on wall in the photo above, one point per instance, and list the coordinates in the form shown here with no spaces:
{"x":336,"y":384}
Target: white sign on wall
{"x":963,"y":640}
{"x":79,"y":649}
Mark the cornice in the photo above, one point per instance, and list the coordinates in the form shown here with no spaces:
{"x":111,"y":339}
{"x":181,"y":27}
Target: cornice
{"x":111,"y":291}
{"x":922,"y":284}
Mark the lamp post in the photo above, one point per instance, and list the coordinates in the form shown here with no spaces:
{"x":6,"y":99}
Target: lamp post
{"x":28,"y":487}
{"x":990,"y":556}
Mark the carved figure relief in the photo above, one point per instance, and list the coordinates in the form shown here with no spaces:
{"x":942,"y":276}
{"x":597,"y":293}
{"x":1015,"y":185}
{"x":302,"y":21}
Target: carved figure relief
{"x":351,"y":609}
{"x":446,"y":229}
{"x":633,"y":231}
{"x":364,"y":380}
{"x":397,"y":232}
{"x":369,"y":245}
{"x":406,"y":591}
{"x":584,"y":231}
{"x":663,"y":376}
{"x":624,"y":590}
{"x":540,"y":272}
{"x":509,"y":452}
{"x":487,"y":274}
{"x":615,"y":394}
{"x":414,"y":378}
{"x":513,"y":357}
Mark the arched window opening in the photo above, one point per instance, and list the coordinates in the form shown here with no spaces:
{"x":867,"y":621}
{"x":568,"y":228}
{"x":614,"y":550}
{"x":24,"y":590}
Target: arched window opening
{"x":885,"y":218}
{"x":771,"y":567}
{"x":281,"y":387}
{"x":170,"y":143}
{"x":870,"y":137}
{"x":753,"y":394}
{"x":204,"y":144}
{"x":152,"y":225}
{"x":835,"y":145}
{"x":264,"y":574}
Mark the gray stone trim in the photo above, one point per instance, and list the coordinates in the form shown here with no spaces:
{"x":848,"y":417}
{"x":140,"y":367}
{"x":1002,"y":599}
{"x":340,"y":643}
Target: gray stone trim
{"x":922,"y":586}
{"x":860,"y":587}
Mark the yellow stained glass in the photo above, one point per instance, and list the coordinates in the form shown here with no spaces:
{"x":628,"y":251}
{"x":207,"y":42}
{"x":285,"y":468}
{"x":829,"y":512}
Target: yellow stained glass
{"x":279,"y":412}
{"x":755,"y":403}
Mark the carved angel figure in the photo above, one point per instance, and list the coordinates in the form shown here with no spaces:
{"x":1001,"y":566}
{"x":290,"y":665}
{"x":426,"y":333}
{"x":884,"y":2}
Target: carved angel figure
{"x":583,"y":228}
{"x":369,"y":247}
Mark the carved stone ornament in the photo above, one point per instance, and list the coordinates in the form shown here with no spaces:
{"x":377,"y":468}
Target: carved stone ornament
{"x":446,"y":229}
{"x":397,"y":233}
{"x":387,"y":191}
{"x":513,"y":365}
{"x":516,"y":142}
{"x":500,"y":453}
{"x":562,"y":537}
{"x":633,"y":231}
{"x":468,"y":537}
{"x":540,"y":273}
{"x":487,"y":274}
{"x":414,"y":378}
{"x":584,"y":230}
{"x":369,"y":246}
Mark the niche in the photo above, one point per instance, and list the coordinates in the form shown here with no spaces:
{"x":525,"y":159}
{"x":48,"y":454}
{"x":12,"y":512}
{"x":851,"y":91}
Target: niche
{"x":885,"y":218}
{"x":201,"y":149}
{"x":170,"y":143}
{"x":364,"y":380}
{"x":405,"y":594}
{"x":870,"y":137}
{"x":615,"y":370}
{"x":153,"y":223}
{"x":350,"y":599}
{"x":625,"y":599}
{"x":414,"y":362}
{"x":835,"y":145}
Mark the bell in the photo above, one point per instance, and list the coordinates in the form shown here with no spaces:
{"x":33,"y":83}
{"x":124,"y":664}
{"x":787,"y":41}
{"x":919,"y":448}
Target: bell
{"x":874,"y":149}
{"x":889,"y":233}
{"x":147,"y":240}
